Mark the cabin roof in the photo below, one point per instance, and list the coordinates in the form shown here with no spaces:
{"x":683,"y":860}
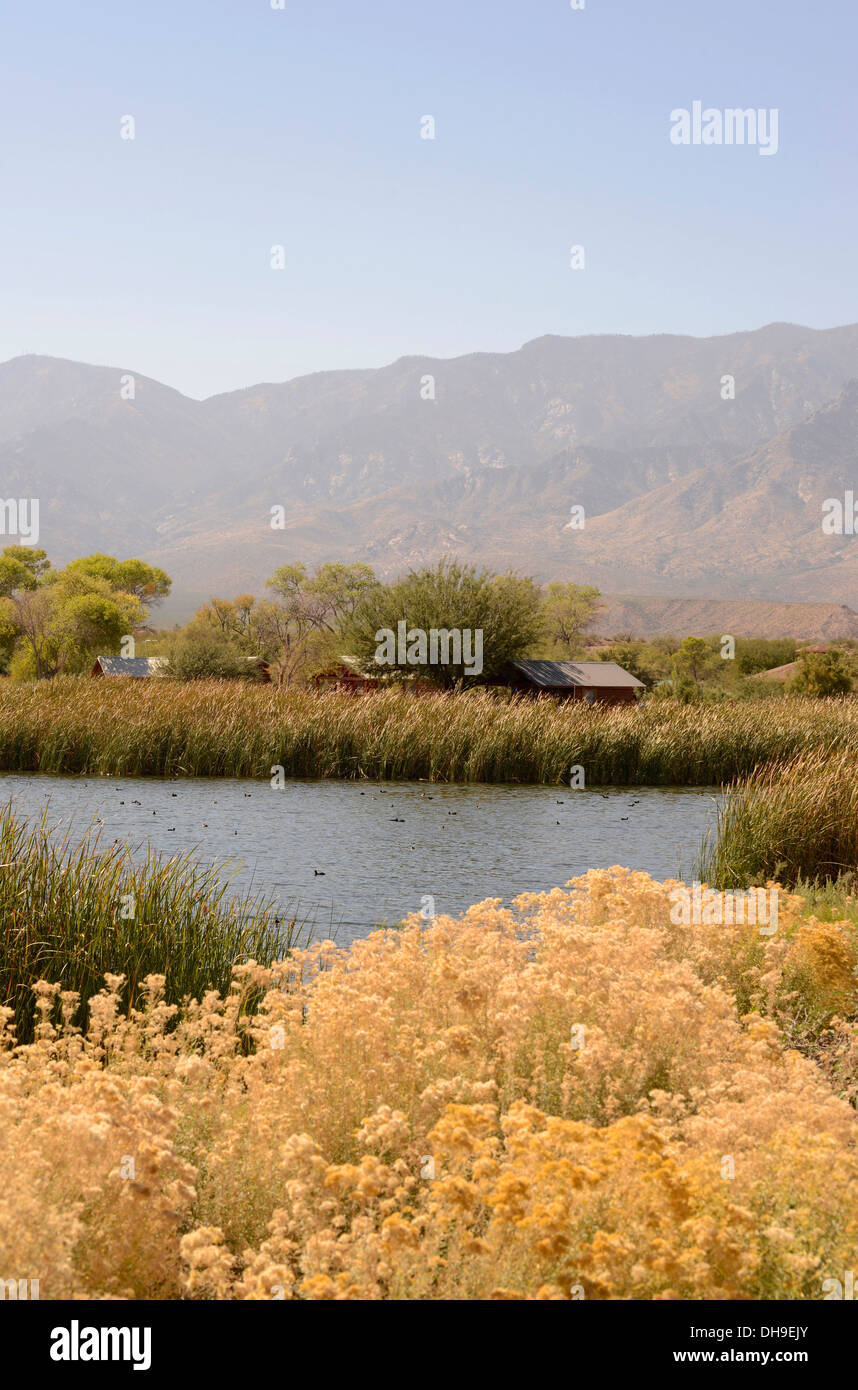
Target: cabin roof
{"x":596,"y":675}
{"x":132,"y":665}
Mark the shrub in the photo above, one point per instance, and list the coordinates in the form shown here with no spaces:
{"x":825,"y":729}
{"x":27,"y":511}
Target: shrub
{"x":523,"y":1104}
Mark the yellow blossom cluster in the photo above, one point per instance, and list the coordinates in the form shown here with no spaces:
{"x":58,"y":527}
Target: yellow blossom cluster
{"x":569,"y":1098}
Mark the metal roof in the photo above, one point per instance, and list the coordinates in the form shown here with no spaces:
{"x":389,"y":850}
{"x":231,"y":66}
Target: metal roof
{"x":554,"y":675}
{"x":132,"y":665}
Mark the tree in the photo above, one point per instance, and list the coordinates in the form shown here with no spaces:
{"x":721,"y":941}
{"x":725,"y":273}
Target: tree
{"x":636,"y":658}
{"x":821,"y":673}
{"x":59,"y":620}
{"x":302,"y":630}
{"x":451,"y":597}
{"x":201,"y":652}
{"x":21,"y":567}
{"x":695,"y":660}
{"x":65,"y":621}
{"x":568,"y":610}
{"x":145,"y":582}
{"x":232,"y":618}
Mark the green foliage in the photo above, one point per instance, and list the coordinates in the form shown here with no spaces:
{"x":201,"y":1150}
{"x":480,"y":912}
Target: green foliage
{"x":54,"y":621}
{"x":451,"y":596}
{"x":62,"y":905}
{"x":638,"y":658}
{"x":821,"y":674}
{"x":64,"y":622}
{"x":145,"y":582}
{"x":568,"y":611}
{"x":791,"y":819}
{"x":200,"y":652}
{"x":21,"y":567}
{"x":754,"y":654}
{"x":694,"y":661}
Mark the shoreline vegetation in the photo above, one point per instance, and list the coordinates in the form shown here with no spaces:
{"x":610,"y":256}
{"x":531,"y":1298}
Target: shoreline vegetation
{"x":794,"y":820}
{"x":163,"y":728}
{"x":73,"y":912}
{"x":570,"y":1098}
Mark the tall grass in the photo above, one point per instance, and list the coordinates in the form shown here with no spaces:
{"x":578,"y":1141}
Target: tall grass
{"x":223,"y":729}
{"x":72,"y":912}
{"x":795,"y":821}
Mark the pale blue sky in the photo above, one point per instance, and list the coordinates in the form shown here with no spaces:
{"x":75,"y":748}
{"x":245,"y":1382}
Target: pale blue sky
{"x":302,"y":127}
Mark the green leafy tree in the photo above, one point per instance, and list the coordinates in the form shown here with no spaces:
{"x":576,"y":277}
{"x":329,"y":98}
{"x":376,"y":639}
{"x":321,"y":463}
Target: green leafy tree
{"x":201,"y":652}
{"x":63,"y":624}
{"x":636,"y":658}
{"x":145,"y":582}
{"x":302,"y":628}
{"x":451,"y":596}
{"x":695,"y":661}
{"x":568,"y":611}
{"x":821,"y":673}
{"x":232,"y":618}
{"x":755,"y":654}
{"x":54,"y":621}
{"x":21,"y":567}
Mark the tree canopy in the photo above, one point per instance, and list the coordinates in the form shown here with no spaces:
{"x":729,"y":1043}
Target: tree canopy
{"x":54,"y":621}
{"x":505,"y":608}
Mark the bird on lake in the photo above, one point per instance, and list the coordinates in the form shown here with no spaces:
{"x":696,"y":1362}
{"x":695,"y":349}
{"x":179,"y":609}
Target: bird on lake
{"x":319,"y":873}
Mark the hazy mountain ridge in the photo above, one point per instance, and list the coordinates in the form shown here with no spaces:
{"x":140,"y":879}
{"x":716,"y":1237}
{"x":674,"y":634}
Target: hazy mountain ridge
{"x":685,"y":493}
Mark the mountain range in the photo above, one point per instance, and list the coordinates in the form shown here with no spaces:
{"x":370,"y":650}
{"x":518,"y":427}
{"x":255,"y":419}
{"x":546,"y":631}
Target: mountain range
{"x":685,"y":494}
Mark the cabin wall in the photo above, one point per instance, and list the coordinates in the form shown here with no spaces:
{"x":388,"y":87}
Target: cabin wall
{"x":607,"y":695}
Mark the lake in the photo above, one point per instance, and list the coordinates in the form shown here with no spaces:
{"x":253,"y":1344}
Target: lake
{"x":345,"y":856}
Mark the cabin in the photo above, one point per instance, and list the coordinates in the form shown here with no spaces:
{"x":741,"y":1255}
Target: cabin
{"x":602,"y":682}
{"x":140,"y":667}
{"x":344,"y":676}
{"x":347,"y":676}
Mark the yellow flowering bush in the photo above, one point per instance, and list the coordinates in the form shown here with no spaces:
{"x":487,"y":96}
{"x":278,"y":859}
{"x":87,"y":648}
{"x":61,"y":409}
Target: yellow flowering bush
{"x":572,"y":1097}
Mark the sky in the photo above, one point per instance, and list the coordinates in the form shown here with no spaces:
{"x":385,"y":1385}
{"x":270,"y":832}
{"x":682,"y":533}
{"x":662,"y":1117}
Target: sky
{"x":300,"y":127}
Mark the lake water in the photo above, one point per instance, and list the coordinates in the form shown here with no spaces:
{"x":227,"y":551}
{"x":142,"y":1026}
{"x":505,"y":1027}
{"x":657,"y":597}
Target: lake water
{"x":379,"y":848}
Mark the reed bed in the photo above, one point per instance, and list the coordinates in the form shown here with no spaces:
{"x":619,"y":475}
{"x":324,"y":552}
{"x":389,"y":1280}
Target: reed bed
{"x":794,"y":820}
{"x":71,"y":913}
{"x":223,"y":729}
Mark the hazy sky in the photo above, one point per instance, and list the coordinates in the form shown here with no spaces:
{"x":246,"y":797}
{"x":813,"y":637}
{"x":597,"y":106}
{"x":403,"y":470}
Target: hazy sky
{"x":300,"y":127}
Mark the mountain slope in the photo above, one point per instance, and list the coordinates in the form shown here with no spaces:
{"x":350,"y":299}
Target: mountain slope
{"x":684,"y":492}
